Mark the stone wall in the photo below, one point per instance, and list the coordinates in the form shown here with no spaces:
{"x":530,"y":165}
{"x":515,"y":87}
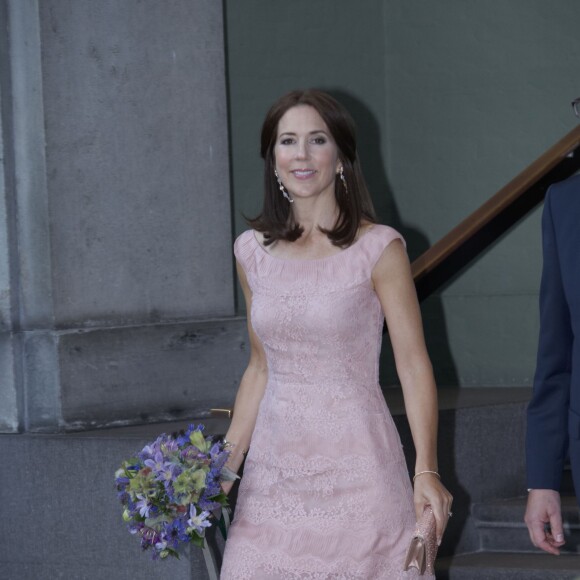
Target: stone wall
{"x":116,"y":228}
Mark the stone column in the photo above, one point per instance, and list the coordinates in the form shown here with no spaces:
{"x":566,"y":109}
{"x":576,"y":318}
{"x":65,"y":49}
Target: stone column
{"x":115,"y":243}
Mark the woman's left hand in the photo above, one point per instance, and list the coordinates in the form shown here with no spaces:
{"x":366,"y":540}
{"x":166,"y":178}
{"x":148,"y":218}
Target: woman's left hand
{"x":428,"y":490}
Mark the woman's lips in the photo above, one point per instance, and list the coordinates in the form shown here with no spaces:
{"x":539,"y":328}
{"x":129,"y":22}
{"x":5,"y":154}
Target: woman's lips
{"x":303,"y":173}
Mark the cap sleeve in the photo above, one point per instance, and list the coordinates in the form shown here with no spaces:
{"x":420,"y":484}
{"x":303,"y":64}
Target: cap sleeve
{"x":244,"y":248}
{"x":380,"y":237}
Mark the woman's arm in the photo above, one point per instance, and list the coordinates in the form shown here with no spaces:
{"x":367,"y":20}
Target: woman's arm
{"x":394,"y":286}
{"x":250,"y":391}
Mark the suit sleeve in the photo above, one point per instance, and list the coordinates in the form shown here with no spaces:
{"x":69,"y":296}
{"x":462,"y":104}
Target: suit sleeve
{"x":547,"y":415}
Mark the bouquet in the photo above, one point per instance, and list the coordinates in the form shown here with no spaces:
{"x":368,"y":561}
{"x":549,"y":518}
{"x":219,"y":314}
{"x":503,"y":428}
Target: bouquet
{"x":171,"y":488}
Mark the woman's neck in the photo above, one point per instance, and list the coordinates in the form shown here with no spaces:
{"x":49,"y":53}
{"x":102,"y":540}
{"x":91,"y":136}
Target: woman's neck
{"x":315,"y":214}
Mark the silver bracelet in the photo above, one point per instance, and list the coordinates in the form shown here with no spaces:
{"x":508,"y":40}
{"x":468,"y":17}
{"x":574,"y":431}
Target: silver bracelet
{"x":228,"y":445}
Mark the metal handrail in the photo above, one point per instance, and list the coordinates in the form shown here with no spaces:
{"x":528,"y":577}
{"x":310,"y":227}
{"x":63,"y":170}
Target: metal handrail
{"x":444,"y":259}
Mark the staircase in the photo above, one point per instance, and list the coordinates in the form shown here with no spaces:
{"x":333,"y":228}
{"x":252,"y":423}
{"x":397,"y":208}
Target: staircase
{"x":63,"y":484}
{"x":505,"y":549}
{"x":509,"y":566}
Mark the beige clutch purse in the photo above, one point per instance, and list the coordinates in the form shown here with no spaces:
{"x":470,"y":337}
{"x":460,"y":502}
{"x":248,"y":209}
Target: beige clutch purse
{"x":423,"y":548}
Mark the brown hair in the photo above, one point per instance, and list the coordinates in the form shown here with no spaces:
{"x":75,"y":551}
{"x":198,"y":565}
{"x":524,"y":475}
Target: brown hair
{"x":276,"y":221}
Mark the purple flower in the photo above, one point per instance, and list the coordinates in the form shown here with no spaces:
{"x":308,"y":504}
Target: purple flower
{"x":182,"y":439}
{"x":219,"y":457}
{"x":191,"y":454}
{"x":122,"y":482}
{"x":169,"y":446}
{"x":198,"y":522}
{"x":149,"y":536}
{"x":135,"y":528}
{"x":143,"y":506}
{"x":212,"y":484}
{"x":170,"y":491}
{"x":169,"y":472}
{"x":158,"y":465}
{"x":159,"y":547}
{"x":175,"y":532}
{"x":207,"y":505}
{"x":149,"y":451}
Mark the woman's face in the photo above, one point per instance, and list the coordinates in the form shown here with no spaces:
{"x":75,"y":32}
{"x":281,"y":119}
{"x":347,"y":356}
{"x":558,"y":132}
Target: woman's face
{"x":306,"y":155}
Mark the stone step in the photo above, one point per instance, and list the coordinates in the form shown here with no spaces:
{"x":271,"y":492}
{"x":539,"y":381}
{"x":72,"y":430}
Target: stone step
{"x":501,"y":525}
{"x":508,"y":566}
{"x":59,"y":499}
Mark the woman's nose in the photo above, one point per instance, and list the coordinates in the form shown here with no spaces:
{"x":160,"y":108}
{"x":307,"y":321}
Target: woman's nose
{"x":302,"y":150}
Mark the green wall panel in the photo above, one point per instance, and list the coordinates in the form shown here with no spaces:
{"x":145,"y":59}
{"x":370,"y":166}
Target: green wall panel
{"x":452,"y":99}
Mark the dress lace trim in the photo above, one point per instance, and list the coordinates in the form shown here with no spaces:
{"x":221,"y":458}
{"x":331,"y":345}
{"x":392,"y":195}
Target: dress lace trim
{"x":253,"y":564}
{"x":351,"y":266}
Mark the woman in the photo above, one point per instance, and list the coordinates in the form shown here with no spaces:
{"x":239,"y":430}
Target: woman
{"x":325,"y":492}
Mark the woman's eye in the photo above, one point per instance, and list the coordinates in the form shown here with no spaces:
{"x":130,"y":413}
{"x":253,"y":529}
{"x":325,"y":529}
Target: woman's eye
{"x":319,"y":140}
{"x":287,"y":141}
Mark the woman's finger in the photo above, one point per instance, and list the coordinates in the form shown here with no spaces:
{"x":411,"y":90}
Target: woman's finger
{"x":440,"y":520}
{"x":441,"y":510}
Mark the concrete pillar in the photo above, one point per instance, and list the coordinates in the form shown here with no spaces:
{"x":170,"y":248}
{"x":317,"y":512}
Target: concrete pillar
{"x":11,"y":407}
{"x":119,"y":266}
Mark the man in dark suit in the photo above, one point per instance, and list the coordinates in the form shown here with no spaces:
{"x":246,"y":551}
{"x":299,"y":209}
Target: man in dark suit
{"x":553,"y":428}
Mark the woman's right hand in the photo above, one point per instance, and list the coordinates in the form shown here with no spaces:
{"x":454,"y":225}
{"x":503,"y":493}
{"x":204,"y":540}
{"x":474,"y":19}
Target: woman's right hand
{"x":428,"y":490}
{"x":227,"y":486}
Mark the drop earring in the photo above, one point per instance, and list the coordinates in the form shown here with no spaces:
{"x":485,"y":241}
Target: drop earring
{"x":343,"y":179}
{"x":282,"y":188}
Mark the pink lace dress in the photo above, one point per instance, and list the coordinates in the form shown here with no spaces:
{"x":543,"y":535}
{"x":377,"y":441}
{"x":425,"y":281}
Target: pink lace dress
{"x":325,"y":492}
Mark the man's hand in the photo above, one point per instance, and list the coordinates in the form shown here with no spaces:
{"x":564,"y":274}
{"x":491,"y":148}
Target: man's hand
{"x":544,"y":508}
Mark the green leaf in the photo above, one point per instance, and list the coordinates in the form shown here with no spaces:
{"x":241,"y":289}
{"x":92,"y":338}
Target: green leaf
{"x":220,"y":498}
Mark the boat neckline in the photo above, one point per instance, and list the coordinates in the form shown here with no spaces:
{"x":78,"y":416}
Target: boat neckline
{"x":325,"y":258}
